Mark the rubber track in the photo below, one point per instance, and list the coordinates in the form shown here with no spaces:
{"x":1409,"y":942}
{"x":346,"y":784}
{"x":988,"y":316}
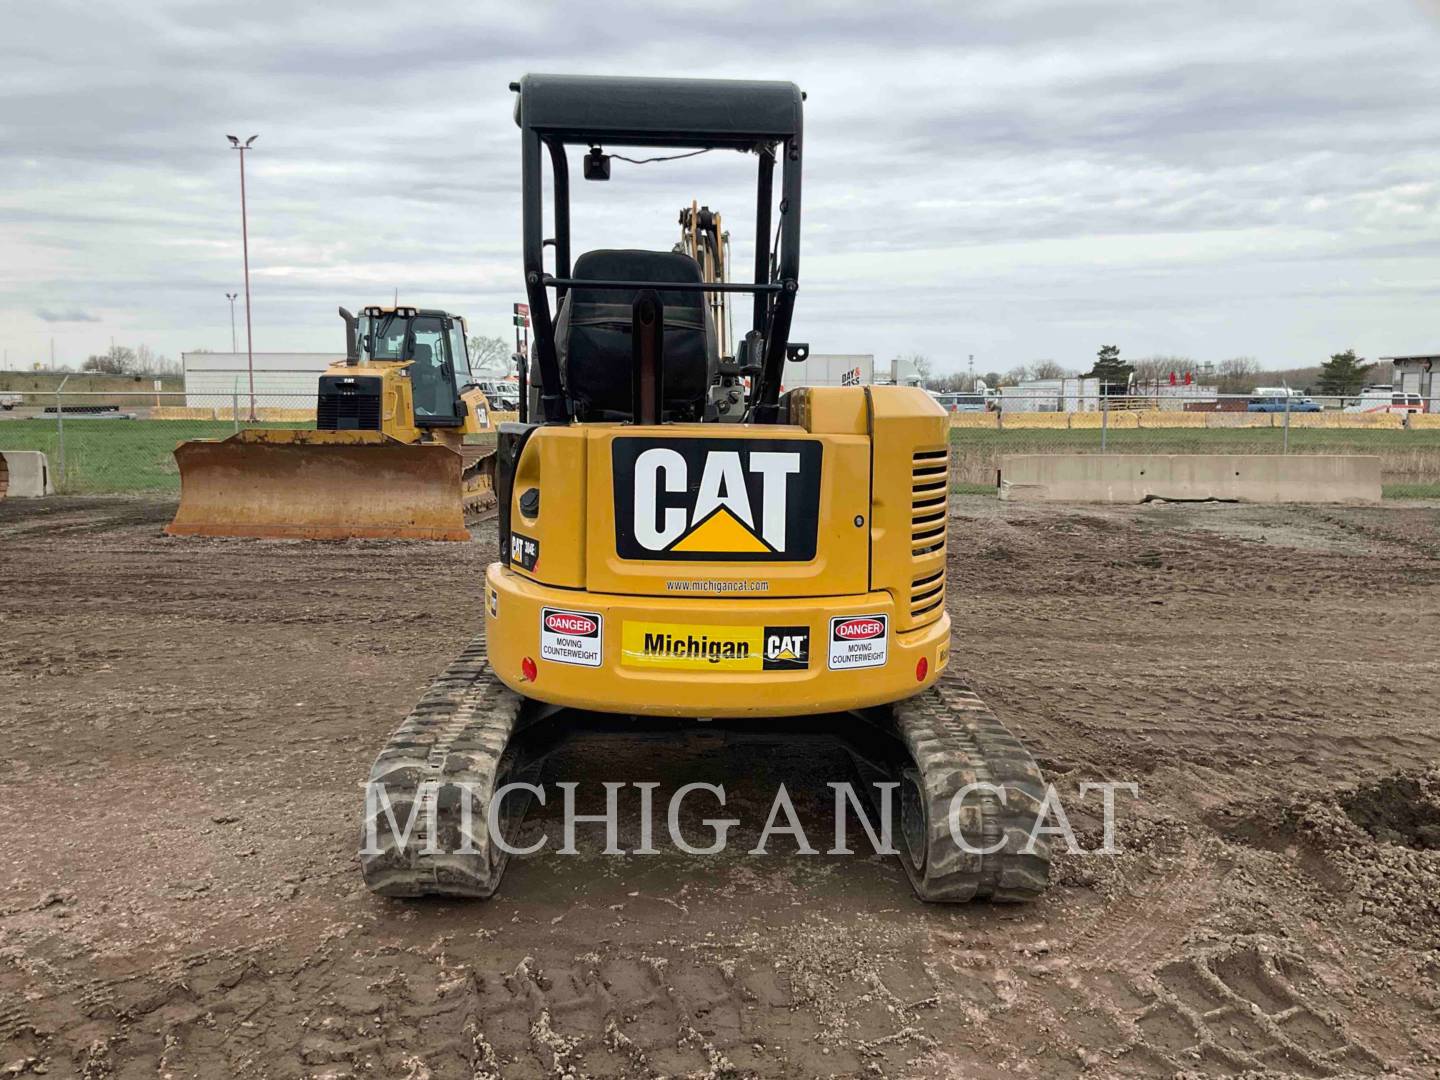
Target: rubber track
{"x":457,"y":734}
{"x":461,"y":729}
{"x":953,"y":740}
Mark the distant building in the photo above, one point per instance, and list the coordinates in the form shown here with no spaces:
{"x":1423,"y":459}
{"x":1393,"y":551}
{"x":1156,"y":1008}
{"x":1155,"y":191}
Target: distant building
{"x":1417,"y":375}
{"x":1068,"y":394}
{"x":282,"y":380}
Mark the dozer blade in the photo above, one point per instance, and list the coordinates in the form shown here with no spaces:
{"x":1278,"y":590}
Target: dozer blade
{"x":319,"y":485}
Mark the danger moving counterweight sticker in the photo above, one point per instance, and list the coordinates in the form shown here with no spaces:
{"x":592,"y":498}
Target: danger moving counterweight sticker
{"x":859,"y":641}
{"x":571,"y":637}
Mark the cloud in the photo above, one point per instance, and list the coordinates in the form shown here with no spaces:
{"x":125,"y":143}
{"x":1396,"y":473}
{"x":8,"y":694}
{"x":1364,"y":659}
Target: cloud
{"x":69,"y":315}
{"x":1003,"y":178}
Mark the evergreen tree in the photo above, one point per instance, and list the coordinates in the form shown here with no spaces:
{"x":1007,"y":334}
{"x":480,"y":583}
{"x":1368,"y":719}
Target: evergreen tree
{"x":1344,"y":373}
{"x":1114,"y":375}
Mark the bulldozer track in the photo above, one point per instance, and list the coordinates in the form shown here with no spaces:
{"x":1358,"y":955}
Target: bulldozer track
{"x":953,"y":740}
{"x":451,"y":749}
{"x":477,"y":490}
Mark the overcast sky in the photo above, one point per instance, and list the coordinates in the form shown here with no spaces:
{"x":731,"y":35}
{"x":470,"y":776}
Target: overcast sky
{"x":1015,"y":180}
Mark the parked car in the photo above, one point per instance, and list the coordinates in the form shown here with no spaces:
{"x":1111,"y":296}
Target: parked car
{"x":1282,"y":403}
{"x":503,"y":395}
{"x":9,"y":401}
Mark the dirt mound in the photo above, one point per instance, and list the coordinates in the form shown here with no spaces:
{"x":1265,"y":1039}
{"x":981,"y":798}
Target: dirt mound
{"x":1380,"y":838}
{"x":1399,"y":810}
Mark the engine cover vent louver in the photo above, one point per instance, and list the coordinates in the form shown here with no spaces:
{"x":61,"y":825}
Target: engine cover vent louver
{"x":929,"y":511}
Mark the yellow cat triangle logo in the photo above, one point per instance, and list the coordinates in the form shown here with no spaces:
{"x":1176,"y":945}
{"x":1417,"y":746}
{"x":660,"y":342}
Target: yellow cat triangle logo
{"x":722,"y":531}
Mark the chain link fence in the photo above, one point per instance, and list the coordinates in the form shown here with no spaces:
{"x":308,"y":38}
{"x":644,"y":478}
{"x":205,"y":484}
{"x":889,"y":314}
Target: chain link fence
{"x":122,"y":442}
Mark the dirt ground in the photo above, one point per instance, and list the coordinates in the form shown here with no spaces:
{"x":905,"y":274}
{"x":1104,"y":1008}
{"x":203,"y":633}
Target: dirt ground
{"x":185,"y":727}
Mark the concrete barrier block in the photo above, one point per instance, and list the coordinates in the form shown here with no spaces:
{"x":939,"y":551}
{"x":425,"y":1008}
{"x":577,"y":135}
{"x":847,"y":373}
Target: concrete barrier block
{"x":1135,"y":478}
{"x":987,"y":420}
{"x":1042,"y":421}
{"x":1171,"y":418}
{"x":1237,"y":419}
{"x":1093,"y":421}
{"x":24,"y":474}
{"x":1339,"y":420}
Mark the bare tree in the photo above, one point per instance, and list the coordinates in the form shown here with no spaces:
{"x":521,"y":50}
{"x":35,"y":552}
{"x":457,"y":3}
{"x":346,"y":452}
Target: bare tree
{"x":118,"y":360}
{"x":1018,"y":374}
{"x":949,"y":384}
{"x":1237,"y":374}
{"x":149,"y":362}
{"x":489,"y":353}
{"x":1156,"y":369}
{"x":123,"y":360}
{"x":1048,"y":369}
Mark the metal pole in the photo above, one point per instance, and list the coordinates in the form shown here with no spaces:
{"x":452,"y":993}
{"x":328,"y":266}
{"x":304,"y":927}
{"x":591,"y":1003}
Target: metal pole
{"x":235,"y":401}
{"x":245,"y":242}
{"x":1285,"y":439}
{"x":1104,"y":421}
{"x":231,"y":297}
{"x":60,"y":433}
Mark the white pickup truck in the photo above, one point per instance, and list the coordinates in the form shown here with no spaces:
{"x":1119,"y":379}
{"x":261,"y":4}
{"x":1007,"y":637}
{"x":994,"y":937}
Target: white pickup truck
{"x":9,"y":401}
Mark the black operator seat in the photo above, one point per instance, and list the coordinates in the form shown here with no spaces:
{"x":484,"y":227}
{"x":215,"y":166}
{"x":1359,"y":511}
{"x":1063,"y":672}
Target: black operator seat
{"x":592,"y":335}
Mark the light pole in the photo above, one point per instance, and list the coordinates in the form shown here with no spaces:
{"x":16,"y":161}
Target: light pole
{"x":245,"y":241}
{"x":231,"y":297}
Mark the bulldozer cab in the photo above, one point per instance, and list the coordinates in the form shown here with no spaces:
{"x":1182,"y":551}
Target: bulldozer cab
{"x":429,"y":344}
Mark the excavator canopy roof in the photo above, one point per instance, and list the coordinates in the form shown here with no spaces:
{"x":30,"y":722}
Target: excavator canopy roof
{"x":658,"y":112}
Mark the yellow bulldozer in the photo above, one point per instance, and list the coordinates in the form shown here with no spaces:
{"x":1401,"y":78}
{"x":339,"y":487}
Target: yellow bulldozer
{"x":386,"y":459}
{"x":776,"y":565}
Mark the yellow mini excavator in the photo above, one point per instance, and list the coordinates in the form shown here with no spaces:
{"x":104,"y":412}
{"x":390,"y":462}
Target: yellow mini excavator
{"x":776,"y":567}
{"x":386,"y":457}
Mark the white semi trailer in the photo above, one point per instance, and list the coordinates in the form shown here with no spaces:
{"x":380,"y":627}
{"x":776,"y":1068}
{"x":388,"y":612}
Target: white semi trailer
{"x":830,"y":369}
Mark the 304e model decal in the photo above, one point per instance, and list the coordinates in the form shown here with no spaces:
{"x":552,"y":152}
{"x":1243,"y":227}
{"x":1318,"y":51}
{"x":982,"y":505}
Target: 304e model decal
{"x":716,"y":499}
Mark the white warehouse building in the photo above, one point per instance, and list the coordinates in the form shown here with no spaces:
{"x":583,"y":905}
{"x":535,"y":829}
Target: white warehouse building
{"x":282,"y":380}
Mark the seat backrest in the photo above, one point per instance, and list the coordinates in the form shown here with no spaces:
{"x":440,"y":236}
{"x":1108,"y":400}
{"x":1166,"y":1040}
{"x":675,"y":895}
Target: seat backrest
{"x":592,"y":336}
